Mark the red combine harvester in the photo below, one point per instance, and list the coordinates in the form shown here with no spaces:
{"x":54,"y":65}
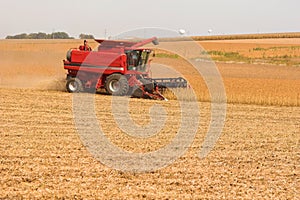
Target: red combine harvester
{"x":120,"y":67}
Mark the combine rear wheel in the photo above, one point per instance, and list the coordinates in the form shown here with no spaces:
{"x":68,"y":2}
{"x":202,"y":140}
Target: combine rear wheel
{"x":116,"y":84}
{"x":74,"y":85}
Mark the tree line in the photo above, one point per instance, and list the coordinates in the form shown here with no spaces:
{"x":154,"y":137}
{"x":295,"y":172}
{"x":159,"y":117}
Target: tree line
{"x":55,"y":35}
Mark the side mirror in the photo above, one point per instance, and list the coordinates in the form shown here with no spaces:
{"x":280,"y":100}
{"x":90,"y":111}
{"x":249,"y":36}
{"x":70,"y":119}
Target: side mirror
{"x":155,"y":42}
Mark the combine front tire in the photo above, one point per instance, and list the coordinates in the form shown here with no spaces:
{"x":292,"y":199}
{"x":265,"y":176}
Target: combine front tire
{"x":116,"y":84}
{"x":74,"y":85}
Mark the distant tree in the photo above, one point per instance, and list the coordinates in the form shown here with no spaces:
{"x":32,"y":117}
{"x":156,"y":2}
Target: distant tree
{"x":37,"y":36}
{"x":19,"y":36}
{"x":61,"y":35}
{"x":9,"y":37}
{"x":86,"y":36}
{"x":32,"y":36}
{"x":40,"y":35}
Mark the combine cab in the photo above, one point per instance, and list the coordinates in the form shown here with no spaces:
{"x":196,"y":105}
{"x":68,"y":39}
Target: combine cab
{"x":120,"y":67}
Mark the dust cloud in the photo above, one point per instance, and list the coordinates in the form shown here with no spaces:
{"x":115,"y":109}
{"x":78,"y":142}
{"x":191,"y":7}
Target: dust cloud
{"x":33,"y":64}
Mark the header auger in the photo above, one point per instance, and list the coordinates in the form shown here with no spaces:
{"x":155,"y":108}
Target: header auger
{"x":120,"y":67}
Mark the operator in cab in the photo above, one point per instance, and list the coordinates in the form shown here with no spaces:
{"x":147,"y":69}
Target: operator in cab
{"x":85,"y":46}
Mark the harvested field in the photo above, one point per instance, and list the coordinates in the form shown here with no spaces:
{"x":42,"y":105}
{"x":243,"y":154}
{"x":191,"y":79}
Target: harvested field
{"x":42,"y":156}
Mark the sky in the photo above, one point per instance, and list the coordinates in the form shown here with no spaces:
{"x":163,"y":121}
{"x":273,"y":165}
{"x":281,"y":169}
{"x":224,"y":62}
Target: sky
{"x":111,"y":17}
